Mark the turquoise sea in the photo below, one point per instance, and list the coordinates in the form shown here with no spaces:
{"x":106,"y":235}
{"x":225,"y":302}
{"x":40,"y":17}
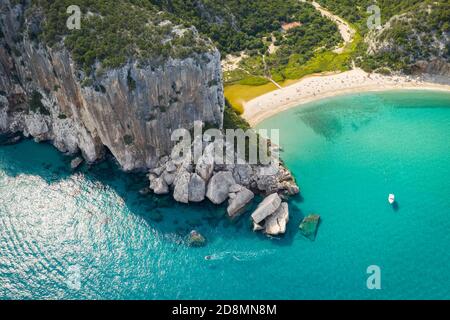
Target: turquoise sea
{"x":91,"y":235}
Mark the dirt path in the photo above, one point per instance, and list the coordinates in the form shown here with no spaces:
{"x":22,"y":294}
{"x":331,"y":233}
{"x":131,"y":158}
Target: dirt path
{"x":346,"y":31}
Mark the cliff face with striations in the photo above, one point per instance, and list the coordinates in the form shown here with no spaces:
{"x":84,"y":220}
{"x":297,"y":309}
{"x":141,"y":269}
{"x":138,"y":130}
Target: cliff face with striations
{"x":130,"y":110}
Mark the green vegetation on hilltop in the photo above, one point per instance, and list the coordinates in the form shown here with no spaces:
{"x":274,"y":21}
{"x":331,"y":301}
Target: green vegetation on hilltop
{"x":236,"y":25}
{"x":355,"y":11}
{"x":114,"y":31}
{"x":417,"y":32}
{"x":250,"y":26}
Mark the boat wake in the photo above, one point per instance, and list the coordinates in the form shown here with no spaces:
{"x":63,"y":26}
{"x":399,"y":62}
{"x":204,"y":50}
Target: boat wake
{"x":240,"y":255}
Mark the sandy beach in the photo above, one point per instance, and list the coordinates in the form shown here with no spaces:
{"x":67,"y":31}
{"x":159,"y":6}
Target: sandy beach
{"x":317,"y":87}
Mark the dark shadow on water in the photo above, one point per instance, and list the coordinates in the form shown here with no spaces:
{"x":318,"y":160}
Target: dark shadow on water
{"x":325,"y":125}
{"x":396,"y":206}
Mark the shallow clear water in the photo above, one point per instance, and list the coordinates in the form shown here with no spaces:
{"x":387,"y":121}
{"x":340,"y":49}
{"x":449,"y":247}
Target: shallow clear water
{"x":91,"y":235}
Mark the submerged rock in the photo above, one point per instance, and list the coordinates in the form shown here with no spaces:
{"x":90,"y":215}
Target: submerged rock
{"x":309,"y":226}
{"x":144,"y":191}
{"x":195,"y":239}
{"x":219,"y":186}
{"x":156,"y":216}
{"x":238,"y":200}
{"x":276,"y":223}
{"x":267,"y":207}
{"x":75,"y":163}
{"x":10,"y":139}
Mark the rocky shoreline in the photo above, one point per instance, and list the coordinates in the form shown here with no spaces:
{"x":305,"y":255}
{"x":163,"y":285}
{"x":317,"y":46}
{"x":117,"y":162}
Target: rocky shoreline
{"x":207,"y":180}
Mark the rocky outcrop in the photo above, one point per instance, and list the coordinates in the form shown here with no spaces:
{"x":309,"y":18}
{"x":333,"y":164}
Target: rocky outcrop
{"x":195,"y":239}
{"x":197,"y":188}
{"x":236,"y":182}
{"x":276,"y":223}
{"x":271,"y":216}
{"x":239,"y":197}
{"x":309,"y":226}
{"x":181,"y":183}
{"x":159,"y":186}
{"x":205,"y":164}
{"x":266,"y":208}
{"x":437,"y":67}
{"x":75,"y":163}
{"x":130,"y":111}
{"x":219,"y":186}
{"x":134,"y":122}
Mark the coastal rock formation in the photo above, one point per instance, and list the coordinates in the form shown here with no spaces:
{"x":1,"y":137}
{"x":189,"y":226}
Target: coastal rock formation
{"x":309,"y":226}
{"x":236,"y":182}
{"x":271,"y":216}
{"x":239,"y":197}
{"x":276,"y":223}
{"x":159,"y":186}
{"x":419,"y":42}
{"x":130,"y":111}
{"x":218,"y":187}
{"x":75,"y":163}
{"x":267,"y":207}
{"x":181,"y":190}
{"x":195,"y":239}
{"x":205,"y":164}
{"x":197,"y":188}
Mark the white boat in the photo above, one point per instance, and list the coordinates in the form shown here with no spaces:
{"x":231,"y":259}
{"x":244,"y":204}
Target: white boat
{"x":391,"y":198}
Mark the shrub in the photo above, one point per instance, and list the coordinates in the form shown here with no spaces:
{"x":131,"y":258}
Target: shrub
{"x":131,"y":82}
{"x":36,"y":104}
{"x":128,"y":139}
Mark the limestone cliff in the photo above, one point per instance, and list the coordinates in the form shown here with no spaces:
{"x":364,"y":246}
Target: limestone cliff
{"x":130,"y":110}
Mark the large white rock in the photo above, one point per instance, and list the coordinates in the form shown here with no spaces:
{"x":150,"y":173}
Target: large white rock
{"x":170,"y":167}
{"x":205,"y":164}
{"x":169,"y":178}
{"x":158,"y":171}
{"x":159,"y":186}
{"x":276,"y":223}
{"x":181,"y":190}
{"x":197,"y":188}
{"x":267,"y":207}
{"x":218,"y":187}
{"x":238,"y":201}
{"x":235,"y":188}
